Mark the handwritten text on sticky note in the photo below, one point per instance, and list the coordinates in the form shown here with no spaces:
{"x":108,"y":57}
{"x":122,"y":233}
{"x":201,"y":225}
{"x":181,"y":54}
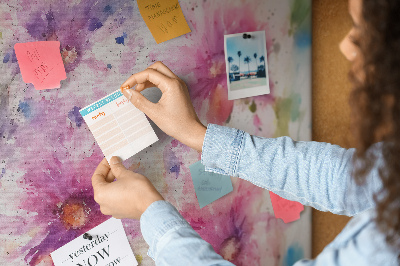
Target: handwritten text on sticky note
{"x":284,"y":209}
{"x":164,"y":18}
{"x":108,"y":246}
{"x":41,"y":64}
{"x":209,"y":186}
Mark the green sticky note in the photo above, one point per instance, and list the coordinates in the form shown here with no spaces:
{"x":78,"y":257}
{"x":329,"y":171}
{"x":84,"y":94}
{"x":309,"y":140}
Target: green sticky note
{"x":209,"y":186}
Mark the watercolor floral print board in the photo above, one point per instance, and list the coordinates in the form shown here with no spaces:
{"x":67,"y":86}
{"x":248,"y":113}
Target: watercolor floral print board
{"x":48,"y":152}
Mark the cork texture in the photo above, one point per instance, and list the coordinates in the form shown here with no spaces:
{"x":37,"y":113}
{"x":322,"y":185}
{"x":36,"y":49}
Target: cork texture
{"x":330,"y":99}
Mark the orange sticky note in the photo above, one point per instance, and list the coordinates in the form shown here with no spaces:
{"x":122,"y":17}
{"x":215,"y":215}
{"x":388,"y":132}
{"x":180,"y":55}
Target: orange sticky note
{"x":41,"y":64}
{"x":284,"y":209}
{"x":164,"y":18}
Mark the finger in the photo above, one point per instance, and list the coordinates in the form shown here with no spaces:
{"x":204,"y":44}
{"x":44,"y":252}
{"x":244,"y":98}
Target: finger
{"x":142,"y":86}
{"x":117,"y":167}
{"x":110,"y":177}
{"x":159,"y":80}
{"x":100,"y":174}
{"x":140,"y":102}
{"x":160,"y":67}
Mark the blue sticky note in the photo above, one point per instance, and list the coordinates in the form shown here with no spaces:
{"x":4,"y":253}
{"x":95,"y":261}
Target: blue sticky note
{"x":209,"y":186}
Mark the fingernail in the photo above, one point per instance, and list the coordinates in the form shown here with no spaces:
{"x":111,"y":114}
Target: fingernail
{"x":115,"y":160}
{"x":129,"y":92}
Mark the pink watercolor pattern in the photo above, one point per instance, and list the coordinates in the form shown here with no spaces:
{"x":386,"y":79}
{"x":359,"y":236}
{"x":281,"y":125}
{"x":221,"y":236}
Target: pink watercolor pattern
{"x":49,"y":155}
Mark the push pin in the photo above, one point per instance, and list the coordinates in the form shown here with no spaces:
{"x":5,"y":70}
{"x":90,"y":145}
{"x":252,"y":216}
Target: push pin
{"x":87,"y":236}
{"x":246,"y":36}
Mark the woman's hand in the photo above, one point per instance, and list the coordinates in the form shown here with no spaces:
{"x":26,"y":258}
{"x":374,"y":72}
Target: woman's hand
{"x":128,"y":196}
{"x":174,"y":112}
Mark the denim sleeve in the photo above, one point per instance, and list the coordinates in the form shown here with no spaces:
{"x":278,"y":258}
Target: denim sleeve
{"x":172,"y":241}
{"x":312,"y":173}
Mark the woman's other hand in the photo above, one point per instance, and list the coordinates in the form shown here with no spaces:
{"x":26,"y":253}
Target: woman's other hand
{"x":128,"y":196}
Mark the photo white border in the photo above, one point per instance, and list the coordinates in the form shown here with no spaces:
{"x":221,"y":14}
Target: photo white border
{"x":248,"y":92}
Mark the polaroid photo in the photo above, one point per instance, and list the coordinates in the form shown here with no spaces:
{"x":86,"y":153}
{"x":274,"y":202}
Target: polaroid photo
{"x":246,"y":64}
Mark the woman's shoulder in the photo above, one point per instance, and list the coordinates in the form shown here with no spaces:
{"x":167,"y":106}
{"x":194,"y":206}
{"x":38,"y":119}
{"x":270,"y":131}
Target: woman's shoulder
{"x":361,"y":241}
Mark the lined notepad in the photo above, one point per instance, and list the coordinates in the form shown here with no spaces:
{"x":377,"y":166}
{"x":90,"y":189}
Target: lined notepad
{"x":119,"y":128}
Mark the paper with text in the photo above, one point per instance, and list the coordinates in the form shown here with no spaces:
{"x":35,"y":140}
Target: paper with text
{"x":108,"y":246}
{"x":209,"y":186}
{"x":284,"y":209}
{"x":164,"y":18}
{"x":41,"y":64}
{"x":118,"y":126}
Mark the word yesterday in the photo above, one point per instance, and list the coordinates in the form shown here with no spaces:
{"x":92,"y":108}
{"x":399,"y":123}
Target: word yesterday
{"x":89,"y":246}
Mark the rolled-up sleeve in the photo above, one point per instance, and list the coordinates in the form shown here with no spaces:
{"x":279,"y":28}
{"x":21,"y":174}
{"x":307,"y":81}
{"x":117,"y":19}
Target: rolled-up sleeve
{"x":172,"y":241}
{"x":313,"y":173}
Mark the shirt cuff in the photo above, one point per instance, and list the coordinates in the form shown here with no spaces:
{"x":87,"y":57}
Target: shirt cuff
{"x":158,"y":219}
{"x":222,"y":148}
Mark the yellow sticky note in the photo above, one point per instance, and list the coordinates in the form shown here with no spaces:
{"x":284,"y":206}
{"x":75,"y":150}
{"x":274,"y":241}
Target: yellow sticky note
{"x":164,"y":18}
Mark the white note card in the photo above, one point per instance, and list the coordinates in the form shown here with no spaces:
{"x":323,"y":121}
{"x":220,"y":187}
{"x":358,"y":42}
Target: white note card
{"x":109,"y":246}
{"x":118,"y":126}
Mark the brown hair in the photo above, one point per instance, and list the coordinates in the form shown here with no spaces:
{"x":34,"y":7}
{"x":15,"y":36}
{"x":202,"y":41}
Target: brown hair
{"x":376,"y":105}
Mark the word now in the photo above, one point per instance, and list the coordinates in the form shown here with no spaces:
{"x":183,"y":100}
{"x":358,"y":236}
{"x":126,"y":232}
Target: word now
{"x":93,"y":259}
{"x":169,"y":24}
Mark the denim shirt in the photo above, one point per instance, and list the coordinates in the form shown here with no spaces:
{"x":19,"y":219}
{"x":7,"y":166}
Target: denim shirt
{"x":312,"y":173}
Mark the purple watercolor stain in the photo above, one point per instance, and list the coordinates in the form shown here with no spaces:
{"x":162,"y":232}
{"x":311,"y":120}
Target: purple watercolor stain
{"x":14,"y":57}
{"x":6,"y":58}
{"x":72,"y":25}
{"x":94,"y":24}
{"x":10,"y":55}
{"x":175,"y":169}
{"x":108,"y":9}
{"x":67,"y":209}
{"x":231,"y":247}
{"x":25,"y":108}
{"x":37,"y":27}
{"x":171,"y":162}
{"x":75,"y":116}
{"x":121,"y":39}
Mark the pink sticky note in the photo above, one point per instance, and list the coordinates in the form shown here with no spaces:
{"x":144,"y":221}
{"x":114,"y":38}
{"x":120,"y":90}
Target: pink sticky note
{"x":41,"y":64}
{"x":284,"y":209}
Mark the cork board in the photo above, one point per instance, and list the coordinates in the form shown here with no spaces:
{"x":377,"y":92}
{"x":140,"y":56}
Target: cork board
{"x":331,"y":89}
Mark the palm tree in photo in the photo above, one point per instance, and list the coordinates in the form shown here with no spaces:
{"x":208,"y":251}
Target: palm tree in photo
{"x":239,"y":55}
{"x":247,"y":60}
{"x":255,"y":58}
{"x":230,"y":60}
{"x":262,"y":59}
